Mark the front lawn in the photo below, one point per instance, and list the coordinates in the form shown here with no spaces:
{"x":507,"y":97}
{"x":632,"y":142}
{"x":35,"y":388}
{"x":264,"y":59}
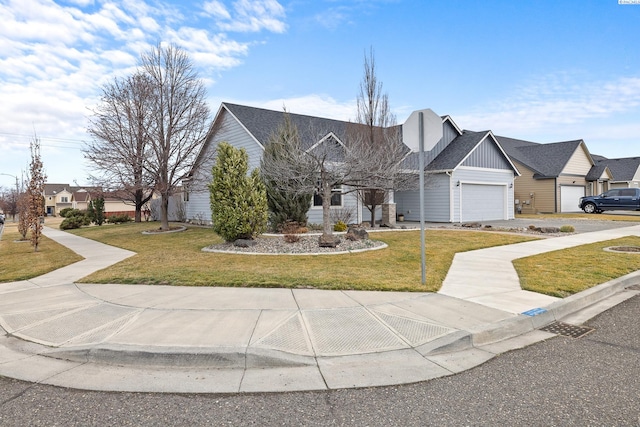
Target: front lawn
{"x":568,"y":271}
{"x":18,"y":261}
{"x":177,"y":259}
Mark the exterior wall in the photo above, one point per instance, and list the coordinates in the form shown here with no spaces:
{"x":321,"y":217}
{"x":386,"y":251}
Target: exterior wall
{"x":436,"y":196}
{"x":578,"y":164}
{"x":350,"y":204}
{"x":573,"y":174}
{"x":198,"y":206}
{"x":481,"y":176}
{"x":534,"y":195}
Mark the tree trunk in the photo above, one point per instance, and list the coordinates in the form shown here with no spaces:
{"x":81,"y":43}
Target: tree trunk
{"x":164,"y":213}
{"x":326,"y":209}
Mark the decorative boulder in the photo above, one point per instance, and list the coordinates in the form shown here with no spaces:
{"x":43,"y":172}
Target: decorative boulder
{"x":328,"y":241}
{"x":244,"y":243}
{"x":357,"y":233}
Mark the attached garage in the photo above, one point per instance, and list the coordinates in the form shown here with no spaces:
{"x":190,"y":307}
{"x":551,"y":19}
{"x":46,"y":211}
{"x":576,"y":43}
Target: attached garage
{"x":569,"y":197}
{"x":483,"y":202}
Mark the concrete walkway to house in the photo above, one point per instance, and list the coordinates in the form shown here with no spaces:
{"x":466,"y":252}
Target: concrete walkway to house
{"x":177,"y":339}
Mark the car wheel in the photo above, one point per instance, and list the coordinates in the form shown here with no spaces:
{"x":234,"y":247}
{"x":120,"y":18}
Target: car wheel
{"x":589,"y":208}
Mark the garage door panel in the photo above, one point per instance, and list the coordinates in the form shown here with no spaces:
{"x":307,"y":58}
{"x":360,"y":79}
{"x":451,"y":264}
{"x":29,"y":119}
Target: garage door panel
{"x":483,"y":202}
{"x":569,"y":197}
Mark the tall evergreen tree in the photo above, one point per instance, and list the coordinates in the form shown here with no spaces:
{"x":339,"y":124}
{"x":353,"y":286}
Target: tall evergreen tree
{"x":238,"y":201}
{"x":284,"y":205}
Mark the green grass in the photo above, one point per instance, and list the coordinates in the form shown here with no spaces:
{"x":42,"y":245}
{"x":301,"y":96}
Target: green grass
{"x":566,"y":272}
{"x":583,"y":216}
{"x":177,"y":259}
{"x":18,"y":261}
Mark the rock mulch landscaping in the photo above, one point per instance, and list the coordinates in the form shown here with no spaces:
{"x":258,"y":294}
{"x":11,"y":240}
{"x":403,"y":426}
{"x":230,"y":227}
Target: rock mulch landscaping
{"x":306,"y":245}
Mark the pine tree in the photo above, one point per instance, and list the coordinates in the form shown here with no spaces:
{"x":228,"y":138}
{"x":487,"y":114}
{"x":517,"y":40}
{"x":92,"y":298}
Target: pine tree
{"x":284,"y":206}
{"x":238,"y":201}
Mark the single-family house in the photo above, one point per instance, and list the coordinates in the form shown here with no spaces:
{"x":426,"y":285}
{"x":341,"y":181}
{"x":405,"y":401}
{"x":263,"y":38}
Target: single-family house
{"x":57,"y":197}
{"x":553,"y":176}
{"x":625,"y":172}
{"x":469,"y":176}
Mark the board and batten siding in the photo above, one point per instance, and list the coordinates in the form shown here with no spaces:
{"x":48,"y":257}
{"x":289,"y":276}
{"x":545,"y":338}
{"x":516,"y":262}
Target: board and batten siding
{"x":487,"y":155}
{"x":436,"y":196}
{"x":198,"y":207}
{"x":481,"y":176}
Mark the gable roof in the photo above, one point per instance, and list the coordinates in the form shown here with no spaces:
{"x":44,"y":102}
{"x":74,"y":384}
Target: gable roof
{"x":622,"y":169}
{"x":459,"y":149}
{"x":546,"y":160}
{"x":261,"y":123}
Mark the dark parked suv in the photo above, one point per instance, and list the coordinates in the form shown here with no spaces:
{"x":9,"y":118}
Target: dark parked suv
{"x":620,"y":199}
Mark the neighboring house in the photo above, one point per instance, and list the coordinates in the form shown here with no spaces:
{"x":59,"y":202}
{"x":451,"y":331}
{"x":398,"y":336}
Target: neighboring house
{"x":57,"y":197}
{"x":625,"y":171}
{"x":61,"y":196}
{"x":553,"y":176}
{"x":470,"y":177}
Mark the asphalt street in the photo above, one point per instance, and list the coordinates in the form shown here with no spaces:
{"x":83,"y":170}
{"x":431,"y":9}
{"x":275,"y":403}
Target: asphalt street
{"x":592,"y":380}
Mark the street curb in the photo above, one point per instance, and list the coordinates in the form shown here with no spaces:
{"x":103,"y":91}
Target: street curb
{"x":522,"y":324}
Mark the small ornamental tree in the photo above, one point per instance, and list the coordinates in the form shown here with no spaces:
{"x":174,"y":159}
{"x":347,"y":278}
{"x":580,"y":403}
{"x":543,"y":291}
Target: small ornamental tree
{"x":23,"y":216}
{"x":238,"y":201}
{"x":284,"y":205}
{"x":35,"y":197}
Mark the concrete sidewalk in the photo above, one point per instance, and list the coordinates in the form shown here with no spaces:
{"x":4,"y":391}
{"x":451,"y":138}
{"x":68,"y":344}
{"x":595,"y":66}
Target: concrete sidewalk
{"x":176,"y":339}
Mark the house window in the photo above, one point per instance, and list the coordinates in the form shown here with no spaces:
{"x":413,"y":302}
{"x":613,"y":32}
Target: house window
{"x":336,"y":197}
{"x":64,"y":199}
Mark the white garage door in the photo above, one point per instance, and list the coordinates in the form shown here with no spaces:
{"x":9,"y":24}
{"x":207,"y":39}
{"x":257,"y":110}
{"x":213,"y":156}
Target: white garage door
{"x":482,"y":202}
{"x":569,"y":196}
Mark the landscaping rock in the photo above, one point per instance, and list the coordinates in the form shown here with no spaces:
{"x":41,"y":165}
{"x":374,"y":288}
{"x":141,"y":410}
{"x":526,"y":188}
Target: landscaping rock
{"x":546,"y":230}
{"x":472,"y":225}
{"x":357,"y":233}
{"x":244,"y":243}
{"x":328,"y":241}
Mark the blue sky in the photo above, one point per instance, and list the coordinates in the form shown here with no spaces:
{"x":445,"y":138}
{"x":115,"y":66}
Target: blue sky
{"x":540,"y":70}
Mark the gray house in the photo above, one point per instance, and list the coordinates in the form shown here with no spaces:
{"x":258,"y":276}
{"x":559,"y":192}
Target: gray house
{"x":469,"y":177}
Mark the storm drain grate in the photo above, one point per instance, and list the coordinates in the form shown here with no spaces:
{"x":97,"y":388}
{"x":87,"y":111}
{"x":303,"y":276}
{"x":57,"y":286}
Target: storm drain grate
{"x":567,"y":330}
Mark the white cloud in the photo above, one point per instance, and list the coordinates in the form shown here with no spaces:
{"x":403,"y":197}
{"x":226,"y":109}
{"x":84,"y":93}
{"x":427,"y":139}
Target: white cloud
{"x":555,"y":102}
{"x":313,"y":105}
{"x":216,"y":9}
{"x":55,"y":57}
{"x":248,"y":15}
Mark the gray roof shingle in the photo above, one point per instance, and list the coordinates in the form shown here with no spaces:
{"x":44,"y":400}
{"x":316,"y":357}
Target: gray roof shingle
{"x":622,"y":169}
{"x":546,"y":160}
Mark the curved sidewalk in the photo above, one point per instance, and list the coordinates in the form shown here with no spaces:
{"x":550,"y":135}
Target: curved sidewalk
{"x":176,"y":339}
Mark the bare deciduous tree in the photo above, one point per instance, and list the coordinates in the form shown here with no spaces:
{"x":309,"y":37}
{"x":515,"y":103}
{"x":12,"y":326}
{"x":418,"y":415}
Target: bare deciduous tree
{"x":364,"y":157}
{"x":120,"y":145}
{"x":179,"y":119}
{"x":380,"y":136}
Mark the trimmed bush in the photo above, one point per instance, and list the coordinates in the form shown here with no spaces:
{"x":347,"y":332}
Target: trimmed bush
{"x":64,"y":212}
{"x":340,"y":226}
{"x":74,"y":219}
{"x":119,"y":219}
{"x":567,"y":229}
